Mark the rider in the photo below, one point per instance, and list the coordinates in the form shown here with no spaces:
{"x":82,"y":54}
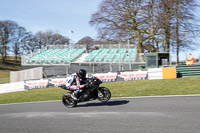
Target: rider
{"x":77,"y":83}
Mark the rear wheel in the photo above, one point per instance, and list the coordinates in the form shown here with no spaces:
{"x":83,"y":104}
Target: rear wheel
{"x":68,"y":101}
{"x":104,"y":94}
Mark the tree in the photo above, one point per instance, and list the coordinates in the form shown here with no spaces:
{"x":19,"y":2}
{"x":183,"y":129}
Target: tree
{"x":31,"y":43}
{"x":186,"y":28}
{"x":12,"y":39}
{"x":123,"y":19}
{"x":18,"y":39}
{"x":153,"y":11}
{"x":159,"y":23}
{"x":137,"y":20}
{"x":167,"y":6}
{"x":50,"y":38}
{"x":7,"y":30}
{"x":40,"y":40}
{"x":88,"y":41}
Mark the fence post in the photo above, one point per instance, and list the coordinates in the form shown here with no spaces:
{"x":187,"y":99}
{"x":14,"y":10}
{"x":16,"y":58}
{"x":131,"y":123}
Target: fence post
{"x":67,"y":70}
{"x":93,"y":68}
{"x":110,"y":67}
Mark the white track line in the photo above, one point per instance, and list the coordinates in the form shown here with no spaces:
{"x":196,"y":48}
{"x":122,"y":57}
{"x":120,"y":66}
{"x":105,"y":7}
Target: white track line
{"x":161,"y":96}
{"x":139,"y":97}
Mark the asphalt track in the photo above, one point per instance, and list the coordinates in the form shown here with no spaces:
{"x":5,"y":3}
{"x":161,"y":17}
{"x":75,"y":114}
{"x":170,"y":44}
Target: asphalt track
{"x":120,"y":115}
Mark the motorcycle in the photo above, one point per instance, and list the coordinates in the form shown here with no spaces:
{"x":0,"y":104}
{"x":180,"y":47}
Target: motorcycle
{"x":91,"y":92}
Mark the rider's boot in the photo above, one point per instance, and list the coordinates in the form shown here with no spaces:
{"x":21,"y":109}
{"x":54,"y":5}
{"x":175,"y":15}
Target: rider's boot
{"x":73,"y":95}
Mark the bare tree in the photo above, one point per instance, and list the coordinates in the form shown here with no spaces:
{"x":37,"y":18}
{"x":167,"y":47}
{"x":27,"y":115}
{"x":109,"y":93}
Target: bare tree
{"x":157,"y":23}
{"x":123,"y":19}
{"x":7,"y":30}
{"x":88,"y":41}
{"x":18,"y":39}
{"x":167,"y":5}
{"x":31,"y":44}
{"x":185,"y":24}
{"x":49,"y":37}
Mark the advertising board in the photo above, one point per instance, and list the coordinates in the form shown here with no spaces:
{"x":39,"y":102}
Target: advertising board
{"x":57,"y":82}
{"x":134,"y":75}
{"x":36,"y":84}
{"x":106,"y":77}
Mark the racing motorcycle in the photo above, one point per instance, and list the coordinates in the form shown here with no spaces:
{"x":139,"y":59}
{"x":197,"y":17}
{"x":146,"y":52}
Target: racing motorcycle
{"x":91,"y":92}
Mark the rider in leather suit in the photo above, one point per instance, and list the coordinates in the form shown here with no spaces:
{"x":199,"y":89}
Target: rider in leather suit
{"x":79,"y":82}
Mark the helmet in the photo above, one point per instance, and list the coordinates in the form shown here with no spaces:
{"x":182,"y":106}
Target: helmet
{"x":81,"y":73}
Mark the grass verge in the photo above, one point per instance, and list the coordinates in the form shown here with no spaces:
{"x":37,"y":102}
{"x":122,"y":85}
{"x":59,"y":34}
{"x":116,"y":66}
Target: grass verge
{"x":184,"y":86}
{"x":6,"y":68}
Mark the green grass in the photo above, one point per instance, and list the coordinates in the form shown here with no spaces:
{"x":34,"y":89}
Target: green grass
{"x":45,"y":94}
{"x":11,"y":58}
{"x":182,"y":86}
{"x":6,"y":68}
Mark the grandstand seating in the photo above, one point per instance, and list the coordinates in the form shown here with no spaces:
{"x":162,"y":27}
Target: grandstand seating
{"x":55,"y":56}
{"x":129,"y":56}
{"x":111,"y":55}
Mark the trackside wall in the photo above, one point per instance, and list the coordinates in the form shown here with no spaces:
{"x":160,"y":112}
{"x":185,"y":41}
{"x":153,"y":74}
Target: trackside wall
{"x":33,"y":73}
{"x":12,"y":87}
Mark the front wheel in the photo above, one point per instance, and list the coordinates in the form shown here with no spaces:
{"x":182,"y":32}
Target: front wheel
{"x":104,"y":94}
{"x":68,"y":101}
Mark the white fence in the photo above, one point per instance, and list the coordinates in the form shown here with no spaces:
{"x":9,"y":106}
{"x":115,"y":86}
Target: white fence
{"x":12,"y":87}
{"x":155,"y":73}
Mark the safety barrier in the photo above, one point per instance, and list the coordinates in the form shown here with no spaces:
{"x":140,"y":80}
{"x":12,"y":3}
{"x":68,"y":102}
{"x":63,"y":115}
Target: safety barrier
{"x":44,"y":83}
{"x":152,"y":73}
{"x":155,"y":73}
{"x":12,"y":87}
{"x":188,"y":70}
{"x":33,"y":73}
{"x":169,"y":72}
{"x":105,"y":77}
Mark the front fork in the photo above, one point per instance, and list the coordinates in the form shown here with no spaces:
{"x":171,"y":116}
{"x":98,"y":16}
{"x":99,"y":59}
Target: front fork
{"x":100,"y":94}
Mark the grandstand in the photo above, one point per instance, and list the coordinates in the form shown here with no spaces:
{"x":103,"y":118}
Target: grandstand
{"x":62,"y":59}
{"x":111,"y":55}
{"x":54,"y":56}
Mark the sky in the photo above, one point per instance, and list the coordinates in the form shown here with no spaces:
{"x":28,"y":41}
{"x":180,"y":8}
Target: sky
{"x":60,"y":16}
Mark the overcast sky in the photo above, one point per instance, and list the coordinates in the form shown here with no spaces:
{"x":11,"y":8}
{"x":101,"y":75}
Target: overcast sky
{"x":59,"y":16}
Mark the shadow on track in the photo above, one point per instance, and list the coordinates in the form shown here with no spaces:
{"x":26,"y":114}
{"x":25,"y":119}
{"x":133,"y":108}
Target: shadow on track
{"x":109,"y":103}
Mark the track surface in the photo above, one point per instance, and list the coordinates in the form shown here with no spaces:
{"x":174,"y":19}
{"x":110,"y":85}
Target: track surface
{"x":138,"y":115}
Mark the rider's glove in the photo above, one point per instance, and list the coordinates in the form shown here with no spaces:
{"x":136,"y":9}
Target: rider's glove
{"x":62,"y":86}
